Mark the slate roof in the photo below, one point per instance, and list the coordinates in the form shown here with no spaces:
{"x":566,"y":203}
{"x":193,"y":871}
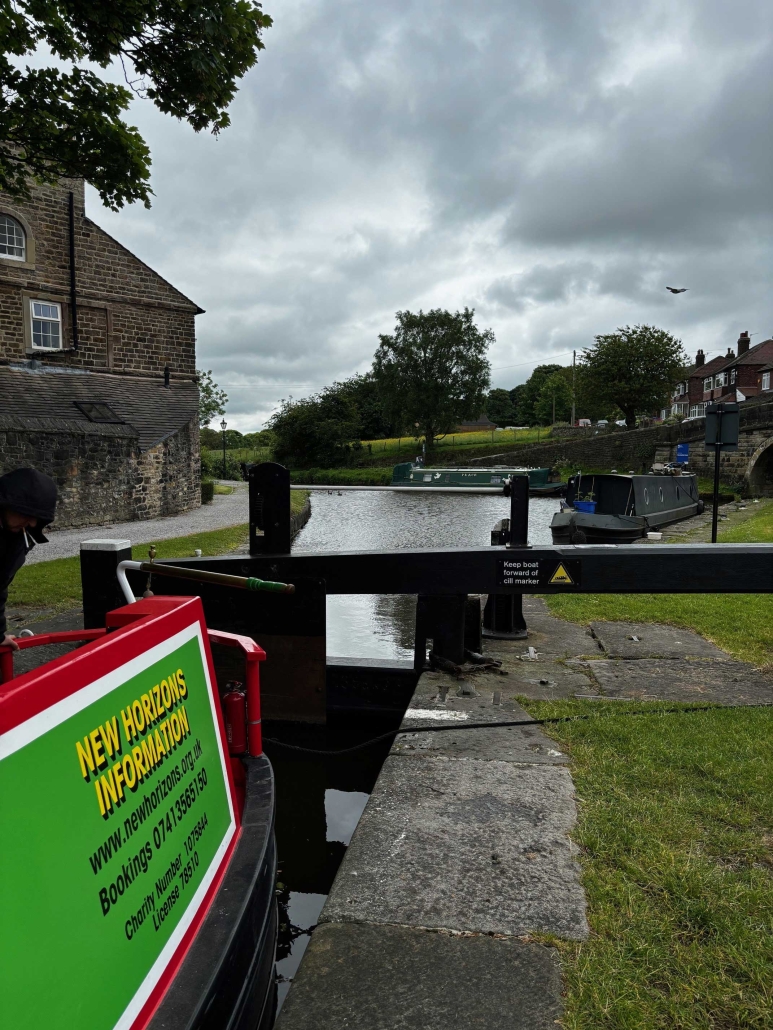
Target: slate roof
{"x":145,"y":404}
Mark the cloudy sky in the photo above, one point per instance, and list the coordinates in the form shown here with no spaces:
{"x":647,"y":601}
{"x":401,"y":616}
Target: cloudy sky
{"x":551,"y":163}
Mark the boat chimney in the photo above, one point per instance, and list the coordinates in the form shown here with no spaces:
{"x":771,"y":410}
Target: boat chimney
{"x":700,"y":358}
{"x":743,"y":343}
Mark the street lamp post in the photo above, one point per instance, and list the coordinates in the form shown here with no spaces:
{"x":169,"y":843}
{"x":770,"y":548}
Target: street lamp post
{"x":224,"y":426}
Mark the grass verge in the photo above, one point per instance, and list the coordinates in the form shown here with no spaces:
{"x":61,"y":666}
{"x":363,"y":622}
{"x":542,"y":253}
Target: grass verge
{"x":675,"y":817}
{"x":57,"y":584}
{"x":739,"y":623}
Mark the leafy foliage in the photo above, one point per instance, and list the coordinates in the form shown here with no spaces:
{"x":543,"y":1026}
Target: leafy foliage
{"x":529,"y":394}
{"x":316,"y":431}
{"x":499,"y":407}
{"x":212,"y":400}
{"x":185,"y":57}
{"x":433,"y":371}
{"x":634,"y":368}
{"x":554,"y":401}
{"x":375,"y":421}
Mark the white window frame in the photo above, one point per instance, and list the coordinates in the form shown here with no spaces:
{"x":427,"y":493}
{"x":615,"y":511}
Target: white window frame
{"x":766,"y":380}
{"x":720,"y":379}
{"x":16,"y":257}
{"x":708,"y":381}
{"x":46,"y":319}
{"x":732,"y":376}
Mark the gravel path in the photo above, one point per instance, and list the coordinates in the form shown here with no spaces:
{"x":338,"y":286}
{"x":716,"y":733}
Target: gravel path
{"x":225,"y":510}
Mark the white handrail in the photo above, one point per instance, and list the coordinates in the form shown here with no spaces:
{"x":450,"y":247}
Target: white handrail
{"x":124,"y":582}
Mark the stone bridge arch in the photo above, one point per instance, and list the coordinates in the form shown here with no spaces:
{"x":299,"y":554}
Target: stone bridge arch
{"x":759,"y":473}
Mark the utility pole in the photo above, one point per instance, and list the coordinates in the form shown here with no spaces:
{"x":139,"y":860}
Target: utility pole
{"x":574,"y":358}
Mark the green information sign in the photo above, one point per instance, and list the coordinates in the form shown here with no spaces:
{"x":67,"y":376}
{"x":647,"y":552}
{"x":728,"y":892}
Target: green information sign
{"x":115,"y":818}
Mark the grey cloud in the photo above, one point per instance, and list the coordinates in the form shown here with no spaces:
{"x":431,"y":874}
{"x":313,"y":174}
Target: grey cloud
{"x":552,"y":164}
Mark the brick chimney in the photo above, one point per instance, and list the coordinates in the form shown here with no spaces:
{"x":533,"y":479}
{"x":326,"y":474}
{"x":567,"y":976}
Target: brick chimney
{"x":730,"y":353}
{"x":700,"y":358}
{"x":743,"y":343}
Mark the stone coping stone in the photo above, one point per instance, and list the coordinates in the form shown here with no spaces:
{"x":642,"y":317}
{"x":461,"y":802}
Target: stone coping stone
{"x":654,"y":641}
{"x":466,"y":845}
{"x":687,"y":679}
{"x":552,"y":637}
{"x":381,"y":977}
{"x":437,"y":700}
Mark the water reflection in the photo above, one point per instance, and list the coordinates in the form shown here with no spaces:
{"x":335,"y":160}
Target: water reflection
{"x":319,"y":803}
{"x":376,"y":626}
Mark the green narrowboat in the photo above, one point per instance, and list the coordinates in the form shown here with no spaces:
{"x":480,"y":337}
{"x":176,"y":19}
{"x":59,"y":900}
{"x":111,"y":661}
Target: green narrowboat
{"x":410,"y":474}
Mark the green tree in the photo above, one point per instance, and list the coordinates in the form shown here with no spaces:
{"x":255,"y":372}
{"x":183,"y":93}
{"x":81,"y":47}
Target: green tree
{"x":499,"y":408}
{"x":375,"y":422}
{"x":517,"y":398}
{"x":55,"y":123}
{"x":212,"y":400}
{"x":433,"y":372}
{"x":315,"y":432}
{"x":634,"y":368}
{"x":531,"y":392}
{"x":554,"y":402}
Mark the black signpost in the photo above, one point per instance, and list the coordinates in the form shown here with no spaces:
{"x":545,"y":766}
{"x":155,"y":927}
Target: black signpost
{"x":722,"y":421}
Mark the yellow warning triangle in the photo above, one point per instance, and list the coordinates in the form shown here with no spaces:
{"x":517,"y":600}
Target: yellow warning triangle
{"x":561,"y":577}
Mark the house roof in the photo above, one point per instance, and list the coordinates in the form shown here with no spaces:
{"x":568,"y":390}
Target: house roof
{"x":758,"y":354}
{"x":710,"y":367}
{"x":142,"y":403}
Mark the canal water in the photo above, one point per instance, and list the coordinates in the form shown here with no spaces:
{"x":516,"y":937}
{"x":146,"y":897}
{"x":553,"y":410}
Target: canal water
{"x":374,"y":626}
{"x":320,"y":799}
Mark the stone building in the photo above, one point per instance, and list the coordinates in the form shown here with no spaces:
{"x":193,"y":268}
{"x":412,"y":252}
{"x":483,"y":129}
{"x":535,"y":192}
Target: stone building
{"x":97,"y":365}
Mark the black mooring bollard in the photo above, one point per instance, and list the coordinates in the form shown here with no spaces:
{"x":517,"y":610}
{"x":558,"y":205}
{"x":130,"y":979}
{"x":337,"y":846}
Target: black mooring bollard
{"x":503,"y":615}
{"x":269,"y":508}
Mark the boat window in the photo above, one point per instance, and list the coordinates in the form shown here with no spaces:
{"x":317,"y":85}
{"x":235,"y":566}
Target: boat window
{"x":660,"y":488}
{"x":646,"y":496}
{"x":678,"y":495}
{"x":496,"y":479}
{"x":428,"y":478}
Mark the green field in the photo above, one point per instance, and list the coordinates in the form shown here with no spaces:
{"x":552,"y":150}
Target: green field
{"x":675,"y":816}
{"x":389,"y":452}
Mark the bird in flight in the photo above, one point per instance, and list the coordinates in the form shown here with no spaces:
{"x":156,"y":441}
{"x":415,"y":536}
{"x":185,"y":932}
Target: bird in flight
{"x":673,"y":289}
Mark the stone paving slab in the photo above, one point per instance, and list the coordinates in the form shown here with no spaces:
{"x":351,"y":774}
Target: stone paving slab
{"x":654,"y":641}
{"x":552,"y":637}
{"x":437,"y":701}
{"x":688,"y":679}
{"x":383,"y":977}
{"x":477,"y":846}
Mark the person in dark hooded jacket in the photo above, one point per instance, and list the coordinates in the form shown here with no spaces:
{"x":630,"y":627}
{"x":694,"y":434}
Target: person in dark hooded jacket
{"x":27,"y":505}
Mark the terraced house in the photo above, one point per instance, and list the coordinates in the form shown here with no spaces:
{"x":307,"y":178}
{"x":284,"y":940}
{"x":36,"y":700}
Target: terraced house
{"x":97,"y":365}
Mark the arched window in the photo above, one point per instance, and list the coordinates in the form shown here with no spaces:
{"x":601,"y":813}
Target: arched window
{"x":13,"y":242}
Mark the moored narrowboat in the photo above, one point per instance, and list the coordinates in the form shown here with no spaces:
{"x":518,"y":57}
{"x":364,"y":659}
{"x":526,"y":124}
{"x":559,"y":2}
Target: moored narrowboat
{"x":617,"y":509}
{"x":409,"y":474}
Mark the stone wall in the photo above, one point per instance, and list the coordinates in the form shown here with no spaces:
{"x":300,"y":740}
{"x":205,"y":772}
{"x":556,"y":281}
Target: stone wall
{"x":750,"y":468}
{"x":130,"y":319}
{"x":102,"y":475}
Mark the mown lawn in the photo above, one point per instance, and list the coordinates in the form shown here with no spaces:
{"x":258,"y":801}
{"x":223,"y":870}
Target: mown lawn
{"x":57,"y":584}
{"x":741,"y":624}
{"x":676,"y":845}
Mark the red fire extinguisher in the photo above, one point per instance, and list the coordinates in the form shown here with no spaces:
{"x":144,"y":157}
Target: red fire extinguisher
{"x":235,"y":715}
